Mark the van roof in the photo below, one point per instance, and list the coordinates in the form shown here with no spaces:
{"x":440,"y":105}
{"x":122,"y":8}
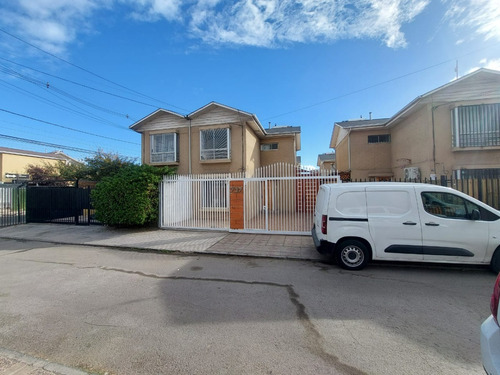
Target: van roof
{"x":347,"y":185}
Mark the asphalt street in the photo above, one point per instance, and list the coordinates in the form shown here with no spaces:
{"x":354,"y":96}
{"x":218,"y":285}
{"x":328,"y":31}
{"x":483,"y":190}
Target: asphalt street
{"x":104,"y":310}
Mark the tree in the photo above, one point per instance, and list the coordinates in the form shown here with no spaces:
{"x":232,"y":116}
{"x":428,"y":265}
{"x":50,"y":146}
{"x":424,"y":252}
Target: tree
{"x":129,"y":197}
{"x":95,"y":168}
{"x":44,"y":174}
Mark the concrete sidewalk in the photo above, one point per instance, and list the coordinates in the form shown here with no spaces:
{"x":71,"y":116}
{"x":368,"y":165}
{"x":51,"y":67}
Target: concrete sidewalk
{"x":186,"y":241}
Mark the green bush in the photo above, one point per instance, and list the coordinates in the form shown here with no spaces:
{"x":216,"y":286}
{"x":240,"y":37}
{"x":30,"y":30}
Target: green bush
{"x":130,"y":197}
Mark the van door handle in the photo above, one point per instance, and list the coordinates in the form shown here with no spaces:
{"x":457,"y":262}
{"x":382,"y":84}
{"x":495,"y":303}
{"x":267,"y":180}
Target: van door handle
{"x":409,"y":223}
{"x":432,"y":224}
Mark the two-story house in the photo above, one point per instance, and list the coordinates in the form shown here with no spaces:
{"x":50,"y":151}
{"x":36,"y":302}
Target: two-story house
{"x":454,"y":129}
{"x":214,"y":139}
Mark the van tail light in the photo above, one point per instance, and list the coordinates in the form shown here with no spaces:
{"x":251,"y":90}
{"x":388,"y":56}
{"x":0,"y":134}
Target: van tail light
{"x":324,"y":222}
{"x":495,"y":297}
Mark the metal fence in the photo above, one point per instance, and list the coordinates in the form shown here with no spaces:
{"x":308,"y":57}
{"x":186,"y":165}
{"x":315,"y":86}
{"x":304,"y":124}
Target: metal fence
{"x":65,"y":205}
{"x":276,"y":199}
{"x":485,"y":189}
{"x":12,"y":204}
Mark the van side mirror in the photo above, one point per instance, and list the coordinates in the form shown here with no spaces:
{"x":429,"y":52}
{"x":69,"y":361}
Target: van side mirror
{"x":475,"y":215}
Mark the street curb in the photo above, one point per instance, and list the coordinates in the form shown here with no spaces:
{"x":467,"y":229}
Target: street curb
{"x":163,"y":251}
{"x":38,"y":363}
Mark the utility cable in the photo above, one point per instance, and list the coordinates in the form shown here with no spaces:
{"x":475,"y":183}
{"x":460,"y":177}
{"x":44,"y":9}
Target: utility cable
{"x":80,"y":84}
{"x":85,"y":70}
{"x":377,"y":84}
{"x":65,"y":127}
{"x":56,"y":146}
{"x":37,"y":82}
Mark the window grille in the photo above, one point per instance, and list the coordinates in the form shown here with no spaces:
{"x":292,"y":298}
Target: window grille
{"x":164,"y":148}
{"x":476,"y":125}
{"x":215,"y":144}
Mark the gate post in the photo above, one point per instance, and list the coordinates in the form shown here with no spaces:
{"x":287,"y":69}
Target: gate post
{"x":236,"y":204}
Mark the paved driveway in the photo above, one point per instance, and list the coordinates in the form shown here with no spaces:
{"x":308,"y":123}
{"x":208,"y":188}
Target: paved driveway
{"x":126,"y":312}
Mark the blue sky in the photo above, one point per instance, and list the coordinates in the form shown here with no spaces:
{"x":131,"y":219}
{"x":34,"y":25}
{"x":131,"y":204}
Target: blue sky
{"x":75,"y":74}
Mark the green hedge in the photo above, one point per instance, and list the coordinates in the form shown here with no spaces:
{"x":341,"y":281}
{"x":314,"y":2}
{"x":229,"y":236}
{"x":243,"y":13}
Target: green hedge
{"x":130,"y":197}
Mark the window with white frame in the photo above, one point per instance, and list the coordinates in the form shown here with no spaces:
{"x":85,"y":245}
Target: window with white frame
{"x":476,"y":125}
{"x":268,"y":146}
{"x":215,"y":144}
{"x":164,"y":148}
{"x":214,"y":194}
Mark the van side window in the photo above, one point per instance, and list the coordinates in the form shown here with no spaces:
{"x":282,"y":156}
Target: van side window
{"x":452,"y":206}
{"x":445,"y":205}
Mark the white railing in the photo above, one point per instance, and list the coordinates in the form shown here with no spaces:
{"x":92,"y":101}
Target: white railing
{"x":275,"y":199}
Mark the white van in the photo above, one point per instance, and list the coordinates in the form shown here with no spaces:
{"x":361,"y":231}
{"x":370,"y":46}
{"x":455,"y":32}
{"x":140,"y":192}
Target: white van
{"x":358,"y":222}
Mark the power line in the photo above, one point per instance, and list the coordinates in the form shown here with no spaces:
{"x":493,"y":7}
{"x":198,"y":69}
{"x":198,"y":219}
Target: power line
{"x":376,"y":84}
{"x":39,"y":83}
{"x":56,"y":146}
{"x":86,"y":70}
{"x":65,"y":127}
{"x":81,"y":84}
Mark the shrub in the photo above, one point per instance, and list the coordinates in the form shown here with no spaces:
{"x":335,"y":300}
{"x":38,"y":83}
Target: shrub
{"x":130,"y":197}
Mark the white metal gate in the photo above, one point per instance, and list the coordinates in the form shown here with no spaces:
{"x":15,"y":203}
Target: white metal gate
{"x":283,"y":203}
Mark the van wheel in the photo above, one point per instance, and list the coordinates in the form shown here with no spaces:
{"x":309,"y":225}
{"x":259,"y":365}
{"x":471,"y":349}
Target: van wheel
{"x":495,"y":261}
{"x":352,"y":255}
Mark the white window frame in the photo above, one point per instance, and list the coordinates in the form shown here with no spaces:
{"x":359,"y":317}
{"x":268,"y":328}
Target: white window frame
{"x":166,"y":155}
{"x":268,"y":146}
{"x":219,"y":150}
{"x":476,"y":125}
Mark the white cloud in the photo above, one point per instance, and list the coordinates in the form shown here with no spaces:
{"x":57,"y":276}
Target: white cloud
{"x":54,"y":24}
{"x":154,"y":10}
{"x":267,"y":23}
{"x":50,"y":24}
{"x":485,"y":63}
{"x":480,"y":16}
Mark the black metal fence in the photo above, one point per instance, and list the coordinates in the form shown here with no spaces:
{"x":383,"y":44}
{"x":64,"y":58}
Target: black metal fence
{"x":12,"y":204}
{"x":66,"y":205}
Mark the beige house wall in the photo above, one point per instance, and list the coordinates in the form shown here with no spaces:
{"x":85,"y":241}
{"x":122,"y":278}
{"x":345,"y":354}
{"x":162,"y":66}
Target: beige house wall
{"x":252,"y":151}
{"x":284,"y":154}
{"x":342,"y":155}
{"x":411,"y":141}
{"x":369,"y":159}
{"x":449,"y":158}
{"x":232,"y":165}
{"x":10,"y":163}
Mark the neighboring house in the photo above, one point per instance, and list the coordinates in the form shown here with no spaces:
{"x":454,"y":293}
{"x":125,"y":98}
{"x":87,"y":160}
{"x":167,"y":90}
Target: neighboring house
{"x":454,"y":129}
{"x":214,"y":139}
{"x":13,"y":162}
{"x":326,"y":161}
{"x":362,"y":149}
